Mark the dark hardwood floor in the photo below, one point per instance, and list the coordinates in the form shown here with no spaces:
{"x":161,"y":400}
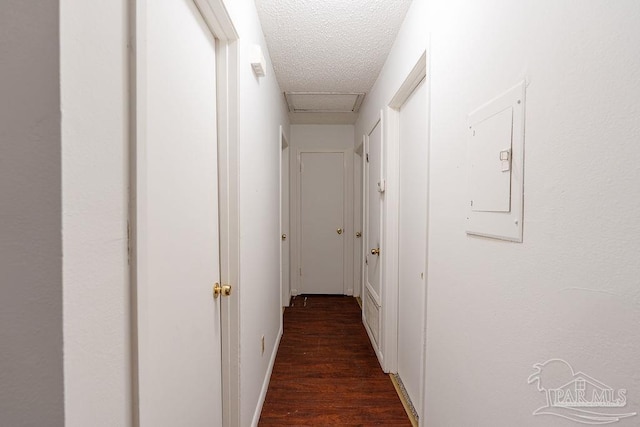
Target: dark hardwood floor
{"x":326,"y":372}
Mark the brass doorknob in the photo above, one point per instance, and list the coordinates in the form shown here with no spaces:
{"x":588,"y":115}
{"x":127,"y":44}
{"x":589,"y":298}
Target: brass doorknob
{"x":358,"y":234}
{"x":339,"y":231}
{"x":284,"y":237}
{"x":224,"y":290}
{"x":375,"y":251}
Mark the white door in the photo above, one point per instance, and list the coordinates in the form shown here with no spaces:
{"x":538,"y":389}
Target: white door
{"x":322,"y":223}
{"x":412,"y":238}
{"x":374,"y":186}
{"x":284,"y":225}
{"x":373,"y":250}
{"x":357,"y":221}
{"x":179,"y":345}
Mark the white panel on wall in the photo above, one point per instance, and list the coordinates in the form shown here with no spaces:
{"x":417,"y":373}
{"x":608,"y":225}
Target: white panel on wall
{"x":495,"y":165}
{"x":489,"y":181}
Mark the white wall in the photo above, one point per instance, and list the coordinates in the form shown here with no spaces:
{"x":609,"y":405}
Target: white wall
{"x":409,"y":45}
{"x":31,"y":365}
{"x":321,"y":137}
{"x":262,"y":111}
{"x":571,"y":289}
{"x":94,"y":75}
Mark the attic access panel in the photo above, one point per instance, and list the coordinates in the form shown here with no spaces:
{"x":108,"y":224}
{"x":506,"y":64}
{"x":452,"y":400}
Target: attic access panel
{"x":324,"y":102}
{"x":495,"y":165}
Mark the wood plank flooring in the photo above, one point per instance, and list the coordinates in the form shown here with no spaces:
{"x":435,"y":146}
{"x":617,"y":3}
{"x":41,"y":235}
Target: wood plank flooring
{"x":326,"y":372}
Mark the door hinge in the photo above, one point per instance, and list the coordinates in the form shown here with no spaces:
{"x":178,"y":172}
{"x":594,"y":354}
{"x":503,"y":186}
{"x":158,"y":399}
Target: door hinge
{"x":367,"y":157}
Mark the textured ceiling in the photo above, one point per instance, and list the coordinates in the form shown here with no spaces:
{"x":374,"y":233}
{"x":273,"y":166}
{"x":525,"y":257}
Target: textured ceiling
{"x":329,"y":45}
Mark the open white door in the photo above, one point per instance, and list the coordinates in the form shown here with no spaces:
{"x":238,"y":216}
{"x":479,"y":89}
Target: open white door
{"x":374,"y":189}
{"x":178,"y":247}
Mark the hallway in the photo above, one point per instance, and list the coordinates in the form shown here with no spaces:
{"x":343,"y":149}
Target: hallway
{"x":173,"y":171}
{"x":326,"y":372}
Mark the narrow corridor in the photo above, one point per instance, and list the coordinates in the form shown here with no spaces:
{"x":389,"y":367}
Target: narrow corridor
{"x":326,"y":372}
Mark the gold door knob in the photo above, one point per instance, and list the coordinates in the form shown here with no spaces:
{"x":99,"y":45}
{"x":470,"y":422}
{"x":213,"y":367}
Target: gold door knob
{"x":358,"y":234}
{"x":226,"y":290}
{"x":218,"y":290}
{"x":284,"y":237}
{"x":375,"y":251}
{"x":339,"y":231}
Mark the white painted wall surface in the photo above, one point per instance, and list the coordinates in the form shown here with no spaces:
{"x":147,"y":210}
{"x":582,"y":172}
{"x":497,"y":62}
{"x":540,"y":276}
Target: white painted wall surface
{"x":410,"y":44}
{"x":321,"y":137}
{"x":94,"y":202}
{"x":262,"y":111}
{"x":31,"y":366}
{"x":571,"y":289}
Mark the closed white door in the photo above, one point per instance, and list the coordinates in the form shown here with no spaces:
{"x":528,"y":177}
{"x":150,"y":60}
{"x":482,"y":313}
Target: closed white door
{"x":284,"y":226}
{"x":373,"y":188}
{"x":322,"y":223}
{"x":179,"y":345}
{"x":373,"y":248}
{"x":412,"y":241}
{"x":358,"y":223}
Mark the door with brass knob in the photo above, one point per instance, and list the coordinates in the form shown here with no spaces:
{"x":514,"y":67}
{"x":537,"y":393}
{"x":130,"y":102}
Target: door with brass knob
{"x":178,"y":232}
{"x":372,"y":221}
{"x":224,"y":290}
{"x":320,"y":241}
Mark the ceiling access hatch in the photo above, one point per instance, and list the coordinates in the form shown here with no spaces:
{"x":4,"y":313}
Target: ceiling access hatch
{"x":324,"y":102}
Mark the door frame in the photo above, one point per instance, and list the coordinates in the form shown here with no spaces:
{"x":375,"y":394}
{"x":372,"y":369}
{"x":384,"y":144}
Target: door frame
{"x":411,"y":81}
{"x":295,"y":244}
{"x":219,"y":22}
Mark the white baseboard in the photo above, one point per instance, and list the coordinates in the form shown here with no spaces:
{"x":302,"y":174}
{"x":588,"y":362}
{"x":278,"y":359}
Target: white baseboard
{"x":267,"y":378}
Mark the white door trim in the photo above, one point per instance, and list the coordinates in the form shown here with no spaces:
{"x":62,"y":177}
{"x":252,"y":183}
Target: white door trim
{"x":218,"y":20}
{"x":296,"y":223}
{"x":390,"y":327}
